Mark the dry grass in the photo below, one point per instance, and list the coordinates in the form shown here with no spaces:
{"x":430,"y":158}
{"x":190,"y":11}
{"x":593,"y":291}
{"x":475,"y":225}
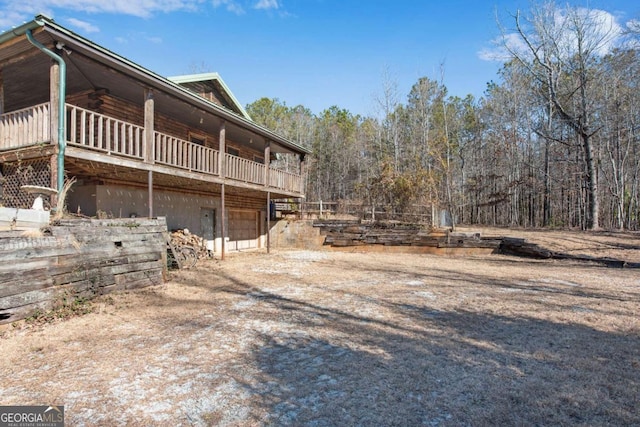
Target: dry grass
{"x":61,"y":204}
{"x":330,"y":338}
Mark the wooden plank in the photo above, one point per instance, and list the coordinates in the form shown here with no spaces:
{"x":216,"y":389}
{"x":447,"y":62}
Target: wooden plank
{"x":130,"y":268}
{"x":18,"y":286}
{"x":149,"y":276}
{"x":30,"y":297}
{"x":20,"y":312}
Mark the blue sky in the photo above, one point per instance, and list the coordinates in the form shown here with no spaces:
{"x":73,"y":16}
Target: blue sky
{"x":317,"y":53}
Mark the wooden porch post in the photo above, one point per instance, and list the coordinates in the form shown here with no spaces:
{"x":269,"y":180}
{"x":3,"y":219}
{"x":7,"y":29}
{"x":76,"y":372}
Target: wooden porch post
{"x":267,"y":162}
{"x":150,"y":191}
{"x":1,"y":93}
{"x":148,"y":125}
{"x":302,"y":171}
{"x":54,"y":97}
{"x":222,"y":168}
{"x":302,"y":181}
{"x":149,"y":112}
{"x":268,"y":221}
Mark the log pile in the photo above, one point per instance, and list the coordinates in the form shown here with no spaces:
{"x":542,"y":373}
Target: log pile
{"x":522,"y":248}
{"x":184,"y":237}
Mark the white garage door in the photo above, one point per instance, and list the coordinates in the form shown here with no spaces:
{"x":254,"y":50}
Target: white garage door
{"x":243,"y":230}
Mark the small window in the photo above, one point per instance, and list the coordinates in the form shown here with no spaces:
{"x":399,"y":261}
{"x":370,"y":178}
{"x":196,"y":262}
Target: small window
{"x":258,"y":159}
{"x":233,"y":151}
{"x":197,"y":139}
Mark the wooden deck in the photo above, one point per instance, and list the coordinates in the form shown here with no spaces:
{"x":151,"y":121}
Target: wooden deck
{"x":116,"y":141}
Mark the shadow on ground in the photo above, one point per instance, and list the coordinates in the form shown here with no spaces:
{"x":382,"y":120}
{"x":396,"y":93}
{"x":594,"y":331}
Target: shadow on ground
{"x":424,"y":366}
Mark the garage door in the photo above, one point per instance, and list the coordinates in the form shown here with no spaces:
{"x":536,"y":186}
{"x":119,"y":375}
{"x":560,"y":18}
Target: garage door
{"x":243,"y":230}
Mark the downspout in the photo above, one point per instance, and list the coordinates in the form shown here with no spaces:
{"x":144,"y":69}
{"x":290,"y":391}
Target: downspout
{"x":62,"y":90}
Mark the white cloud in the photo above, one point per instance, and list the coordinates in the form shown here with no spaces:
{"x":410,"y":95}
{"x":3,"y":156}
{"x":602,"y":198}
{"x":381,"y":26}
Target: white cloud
{"x":503,"y":48}
{"x":19,"y":12}
{"x":83,"y":25}
{"x":266,"y":4}
{"x":230,"y":5}
{"x":14,"y":13}
{"x":603,"y":33}
{"x":11,"y":18}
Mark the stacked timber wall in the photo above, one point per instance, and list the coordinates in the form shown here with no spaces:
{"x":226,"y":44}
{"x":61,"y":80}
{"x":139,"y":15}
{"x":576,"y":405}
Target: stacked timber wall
{"x":398,"y":237}
{"x":78,"y":257}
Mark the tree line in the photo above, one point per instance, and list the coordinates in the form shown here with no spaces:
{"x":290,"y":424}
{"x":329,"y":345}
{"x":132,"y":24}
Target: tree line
{"x":553,"y":142}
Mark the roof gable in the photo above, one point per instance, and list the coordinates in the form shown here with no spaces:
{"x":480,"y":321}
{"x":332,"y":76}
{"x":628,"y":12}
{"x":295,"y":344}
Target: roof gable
{"x":211,"y":87}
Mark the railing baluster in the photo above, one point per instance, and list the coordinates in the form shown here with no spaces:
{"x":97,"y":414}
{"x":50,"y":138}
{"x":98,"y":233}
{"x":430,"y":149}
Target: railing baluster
{"x":103,"y":133}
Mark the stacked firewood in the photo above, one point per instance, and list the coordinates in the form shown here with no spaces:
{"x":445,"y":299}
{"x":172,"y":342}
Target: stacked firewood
{"x":184,"y":237}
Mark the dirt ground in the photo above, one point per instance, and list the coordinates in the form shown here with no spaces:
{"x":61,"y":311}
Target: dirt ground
{"x":324,"y":338}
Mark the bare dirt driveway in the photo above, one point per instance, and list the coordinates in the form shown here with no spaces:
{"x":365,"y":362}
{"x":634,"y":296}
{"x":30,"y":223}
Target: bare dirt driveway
{"x":325,"y":338}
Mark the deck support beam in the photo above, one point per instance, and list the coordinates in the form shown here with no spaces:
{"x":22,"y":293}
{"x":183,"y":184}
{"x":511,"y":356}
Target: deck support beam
{"x":1,"y":93}
{"x":221,"y":168}
{"x":267,"y":162}
{"x":54,"y":97}
{"x":150,"y":192}
{"x":149,"y":107}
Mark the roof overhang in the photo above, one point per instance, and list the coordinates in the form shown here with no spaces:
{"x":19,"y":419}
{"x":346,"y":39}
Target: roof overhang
{"x":43,"y":26}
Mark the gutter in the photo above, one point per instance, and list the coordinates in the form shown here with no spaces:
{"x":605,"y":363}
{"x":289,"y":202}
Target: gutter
{"x":22,"y":29}
{"x":62,"y":90}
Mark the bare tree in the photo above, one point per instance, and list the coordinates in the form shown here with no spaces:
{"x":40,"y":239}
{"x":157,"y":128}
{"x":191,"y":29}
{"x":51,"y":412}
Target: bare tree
{"x":561,"y":48}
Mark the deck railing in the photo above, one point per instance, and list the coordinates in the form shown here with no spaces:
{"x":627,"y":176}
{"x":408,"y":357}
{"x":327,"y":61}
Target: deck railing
{"x":103,"y":133}
{"x":25,"y":127}
{"x":244,"y":170}
{"x":285,"y":180}
{"x":97,"y":132}
{"x":183,"y":154}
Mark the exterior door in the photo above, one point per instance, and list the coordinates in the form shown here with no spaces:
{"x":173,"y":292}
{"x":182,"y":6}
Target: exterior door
{"x":208,"y":227}
{"x":243,"y":230}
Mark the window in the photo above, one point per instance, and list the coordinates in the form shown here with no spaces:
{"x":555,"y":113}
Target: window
{"x":233,"y":151}
{"x":197,"y":139}
{"x":258,"y":159}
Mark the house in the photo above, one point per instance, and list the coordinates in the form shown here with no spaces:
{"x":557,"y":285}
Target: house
{"x":137,"y":143}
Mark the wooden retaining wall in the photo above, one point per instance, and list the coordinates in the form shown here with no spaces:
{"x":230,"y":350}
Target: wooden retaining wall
{"x":374,"y":236}
{"x":78,"y":257}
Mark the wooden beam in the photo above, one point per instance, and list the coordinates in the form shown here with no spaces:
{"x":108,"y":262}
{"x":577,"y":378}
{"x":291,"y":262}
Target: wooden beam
{"x":268,"y":221}
{"x":223,"y":173}
{"x":148,"y":148}
{"x":1,"y":93}
{"x":302,"y":172}
{"x":267,"y":183}
{"x":267,"y":162}
{"x":54,"y":96}
{"x":148,"y":126}
{"x":223,"y":219}
{"x":150,"y":192}
{"x":222,"y":146}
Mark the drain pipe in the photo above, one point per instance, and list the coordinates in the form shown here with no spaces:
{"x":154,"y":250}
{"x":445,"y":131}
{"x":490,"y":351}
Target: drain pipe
{"x":62,"y":90}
